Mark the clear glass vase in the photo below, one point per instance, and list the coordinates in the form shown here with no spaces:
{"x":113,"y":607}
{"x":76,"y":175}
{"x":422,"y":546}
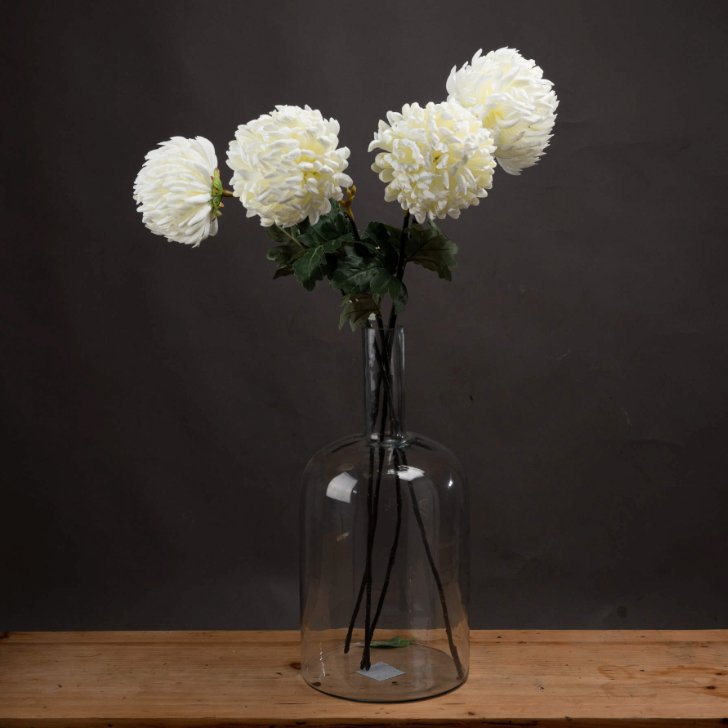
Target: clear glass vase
{"x":384,"y":557}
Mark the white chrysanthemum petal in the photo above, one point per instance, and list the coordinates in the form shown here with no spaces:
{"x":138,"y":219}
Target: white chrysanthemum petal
{"x":286,"y":166}
{"x":436,"y":160}
{"x":173,"y":190}
{"x":512,"y":98}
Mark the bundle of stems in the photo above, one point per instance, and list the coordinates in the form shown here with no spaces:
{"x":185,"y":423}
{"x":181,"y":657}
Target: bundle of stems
{"x":382,"y":449}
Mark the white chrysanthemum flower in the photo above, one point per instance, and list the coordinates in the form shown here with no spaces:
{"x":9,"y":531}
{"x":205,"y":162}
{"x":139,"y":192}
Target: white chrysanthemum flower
{"x":287,"y":166}
{"x":436,"y":160}
{"x":512,"y":98}
{"x":178,"y":190}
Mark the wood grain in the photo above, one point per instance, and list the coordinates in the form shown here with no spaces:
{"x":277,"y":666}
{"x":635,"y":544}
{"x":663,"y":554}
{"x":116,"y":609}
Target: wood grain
{"x":525,"y":678}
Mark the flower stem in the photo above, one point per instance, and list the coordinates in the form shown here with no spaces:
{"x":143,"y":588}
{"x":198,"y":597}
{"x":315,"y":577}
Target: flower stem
{"x":400,"y":267}
{"x":395,"y":543}
{"x":402,"y":251}
{"x":366,"y":581}
{"x":354,"y":229}
{"x":373,"y":517}
{"x":354,"y":614}
{"x":373,"y":494}
{"x":383,"y":391}
{"x":397,"y":453}
{"x":365,"y":660}
{"x":383,"y":356}
{"x":346,"y":206}
{"x":386,"y":377}
{"x":438,"y":582}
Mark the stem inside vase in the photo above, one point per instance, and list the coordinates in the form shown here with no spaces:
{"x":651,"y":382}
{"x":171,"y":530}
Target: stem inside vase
{"x":384,"y":352}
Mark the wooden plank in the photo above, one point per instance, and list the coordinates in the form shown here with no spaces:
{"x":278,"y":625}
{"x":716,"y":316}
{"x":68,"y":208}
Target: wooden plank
{"x":184,"y":679}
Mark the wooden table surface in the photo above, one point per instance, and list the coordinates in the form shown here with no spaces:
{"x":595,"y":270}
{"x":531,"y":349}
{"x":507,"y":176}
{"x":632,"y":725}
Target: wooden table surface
{"x":528,"y":678}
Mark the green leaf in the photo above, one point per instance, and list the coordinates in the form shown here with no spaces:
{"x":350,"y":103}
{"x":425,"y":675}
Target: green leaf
{"x":398,"y":293}
{"x":383,"y":240}
{"x":282,"y":235}
{"x":332,"y":246}
{"x":288,"y":249}
{"x":286,"y":253}
{"x":429,"y":247}
{"x":381,"y":235}
{"x":356,"y":309}
{"x":364,"y":269}
{"x":310,"y":252}
{"x":285,"y":270}
{"x":311,"y":267}
{"x":334,"y":225}
{"x":381,"y":281}
{"x":354,"y":274}
{"x":392,"y":643}
{"x":370,"y":265}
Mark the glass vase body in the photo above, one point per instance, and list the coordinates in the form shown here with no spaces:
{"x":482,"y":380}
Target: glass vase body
{"x":384,"y":552}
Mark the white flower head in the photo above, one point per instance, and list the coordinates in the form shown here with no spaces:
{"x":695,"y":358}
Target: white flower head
{"x":436,"y":160}
{"x":287,"y":166}
{"x":512,"y":98}
{"x":178,"y":190}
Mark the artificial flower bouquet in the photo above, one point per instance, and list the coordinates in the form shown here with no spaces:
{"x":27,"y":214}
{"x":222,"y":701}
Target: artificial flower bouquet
{"x":435,"y":160}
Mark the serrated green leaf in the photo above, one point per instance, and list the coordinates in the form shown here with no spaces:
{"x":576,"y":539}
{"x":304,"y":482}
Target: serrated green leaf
{"x":366,"y":269}
{"x":381,"y":281}
{"x":309,"y":251}
{"x":338,"y":218}
{"x":429,"y":247}
{"x":382,"y":234}
{"x":329,"y":227}
{"x":309,"y":268}
{"x":332,"y":246}
{"x":370,"y":265}
{"x":363,"y":248}
{"x":356,"y":309}
{"x":282,"y":235}
{"x":285,"y":270}
{"x":376,"y":233}
{"x":363,"y":271}
{"x":398,"y":294}
{"x":309,"y":239}
{"x":354,"y":275}
{"x":286,"y":253}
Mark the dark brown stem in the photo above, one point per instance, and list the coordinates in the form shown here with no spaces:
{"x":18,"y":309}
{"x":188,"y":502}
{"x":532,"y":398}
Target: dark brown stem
{"x":365,"y":661}
{"x":371,"y":528}
{"x":354,"y":228}
{"x":438,"y":583}
{"x":400,"y":268}
{"x":373,"y":517}
{"x":395,"y":542}
{"x":386,"y":376}
{"x":365,"y":587}
{"x":355,"y":613}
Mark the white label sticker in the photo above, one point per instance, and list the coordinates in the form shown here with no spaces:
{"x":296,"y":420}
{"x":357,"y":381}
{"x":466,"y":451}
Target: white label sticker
{"x":407,"y":472}
{"x":381,"y":671}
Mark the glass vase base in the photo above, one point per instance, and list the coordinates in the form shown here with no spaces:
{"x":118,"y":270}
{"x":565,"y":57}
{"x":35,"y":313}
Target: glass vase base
{"x":418,"y":672}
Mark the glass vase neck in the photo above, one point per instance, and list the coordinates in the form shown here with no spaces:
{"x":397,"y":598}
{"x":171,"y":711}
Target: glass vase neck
{"x":383,"y":351}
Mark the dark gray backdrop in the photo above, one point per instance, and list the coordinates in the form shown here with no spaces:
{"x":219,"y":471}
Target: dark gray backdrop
{"x":159,"y":402}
